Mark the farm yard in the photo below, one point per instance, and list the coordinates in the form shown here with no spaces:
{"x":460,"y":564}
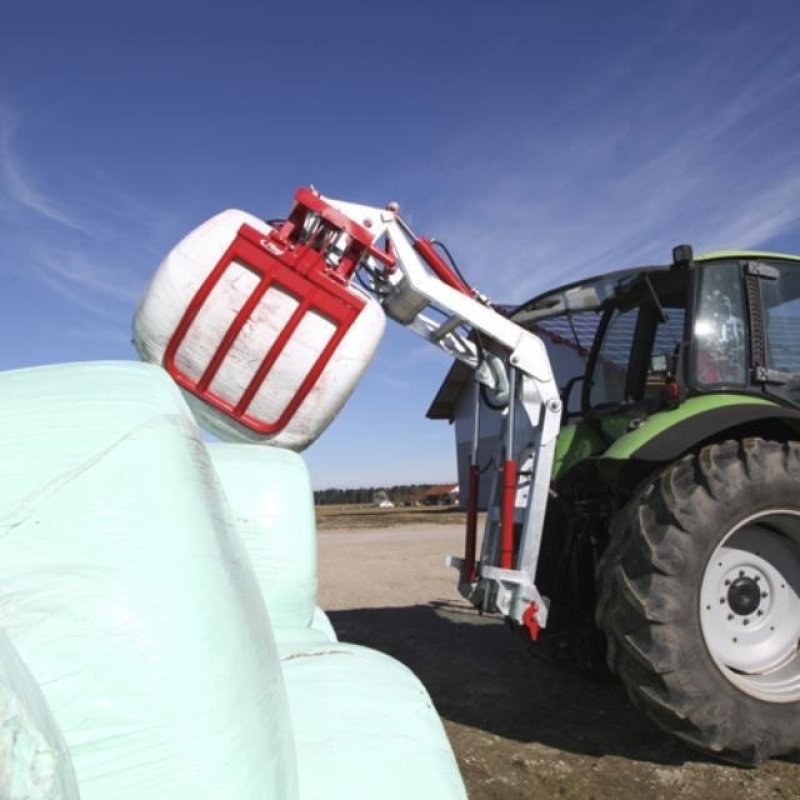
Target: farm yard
{"x":520,"y":729}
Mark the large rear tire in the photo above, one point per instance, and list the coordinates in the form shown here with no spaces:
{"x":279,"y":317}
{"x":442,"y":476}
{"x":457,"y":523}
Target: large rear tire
{"x":700,"y":599}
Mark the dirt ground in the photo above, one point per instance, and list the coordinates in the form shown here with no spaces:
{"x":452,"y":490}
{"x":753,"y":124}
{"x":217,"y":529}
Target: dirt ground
{"x":519,"y":728}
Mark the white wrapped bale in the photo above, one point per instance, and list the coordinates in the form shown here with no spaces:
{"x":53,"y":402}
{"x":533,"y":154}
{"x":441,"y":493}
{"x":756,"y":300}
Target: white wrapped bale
{"x":175,"y":286}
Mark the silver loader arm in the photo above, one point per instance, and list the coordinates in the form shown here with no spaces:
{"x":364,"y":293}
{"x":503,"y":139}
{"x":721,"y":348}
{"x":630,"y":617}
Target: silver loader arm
{"x":424,"y":295}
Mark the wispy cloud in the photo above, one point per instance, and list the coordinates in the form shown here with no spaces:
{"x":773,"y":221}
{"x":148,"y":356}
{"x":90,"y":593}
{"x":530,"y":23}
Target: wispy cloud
{"x":84,"y":255}
{"x":704,"y":149}
{"x":91,"y":283}
{"x":18,"y":185}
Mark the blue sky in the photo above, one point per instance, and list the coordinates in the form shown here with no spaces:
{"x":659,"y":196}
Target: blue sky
{"x":540,"y":140}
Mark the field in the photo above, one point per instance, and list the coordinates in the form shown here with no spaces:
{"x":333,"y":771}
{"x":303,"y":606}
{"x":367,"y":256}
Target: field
{"x":520,"y":730}
{"x":371,"y":517}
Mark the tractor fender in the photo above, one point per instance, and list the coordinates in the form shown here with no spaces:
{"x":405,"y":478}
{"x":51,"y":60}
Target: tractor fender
{"x":667,"y":435}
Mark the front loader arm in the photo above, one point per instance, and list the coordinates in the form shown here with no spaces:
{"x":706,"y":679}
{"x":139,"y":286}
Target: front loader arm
{"x":419,"y":291}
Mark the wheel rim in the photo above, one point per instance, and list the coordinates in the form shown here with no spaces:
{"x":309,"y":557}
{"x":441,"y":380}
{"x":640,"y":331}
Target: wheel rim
{"x":750,"y":606}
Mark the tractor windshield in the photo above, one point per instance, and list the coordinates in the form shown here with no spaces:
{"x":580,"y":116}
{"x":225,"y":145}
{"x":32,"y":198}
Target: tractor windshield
{"x":639,"y":341}
{"x":632,"y":321}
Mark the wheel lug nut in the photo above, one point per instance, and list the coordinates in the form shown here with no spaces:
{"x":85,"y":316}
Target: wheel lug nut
{"x":727,"y":582}
{"x":763,"y":594}
{"x":730,"y":616}
{"x":746,"y":622}
{"x":760,"y":613}
{"x":721,"y":600}
{"x":741,"y":573}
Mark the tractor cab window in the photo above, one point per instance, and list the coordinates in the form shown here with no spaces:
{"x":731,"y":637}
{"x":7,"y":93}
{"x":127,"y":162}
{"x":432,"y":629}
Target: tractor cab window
{"x":720,"y":343}
{"x":640,"y":342}
{"x":611,"y":367}
{"x":781,"y":301}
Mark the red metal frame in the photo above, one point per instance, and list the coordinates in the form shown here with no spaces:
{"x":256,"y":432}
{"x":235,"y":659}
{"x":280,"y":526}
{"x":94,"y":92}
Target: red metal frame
{"x":307,"y":200}
{"x":531,"y":621}
{"x":507,"y":525}
{"x":301,"y":272}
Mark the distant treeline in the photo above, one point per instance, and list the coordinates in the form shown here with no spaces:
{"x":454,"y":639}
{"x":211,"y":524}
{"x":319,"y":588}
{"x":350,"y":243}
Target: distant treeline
{"x":399,"y":495}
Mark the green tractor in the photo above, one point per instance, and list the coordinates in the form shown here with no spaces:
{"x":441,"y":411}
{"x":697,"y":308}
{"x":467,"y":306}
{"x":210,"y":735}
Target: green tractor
{"x":671,"y":542}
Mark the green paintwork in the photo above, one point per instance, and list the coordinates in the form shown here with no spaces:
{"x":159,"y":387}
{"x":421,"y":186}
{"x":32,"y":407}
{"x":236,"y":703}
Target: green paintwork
{"x":745,"y":254}
{"x":575,"y":443}
{"x":629,"y":443}
{"x":615,"y":426}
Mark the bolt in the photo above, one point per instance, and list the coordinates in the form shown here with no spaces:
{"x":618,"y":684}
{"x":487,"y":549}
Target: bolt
{"x":746,"y":622}
{"x":722,"y":600}
{"x":760,"y":613}
{"x":763,"y":594}
{"x":708,"y":608}
{"x":741,"y":573}
{"x":735,"y":639}
{"x":727,"y":582}
{"x":730,"y":616}
{"x":756,"y":578}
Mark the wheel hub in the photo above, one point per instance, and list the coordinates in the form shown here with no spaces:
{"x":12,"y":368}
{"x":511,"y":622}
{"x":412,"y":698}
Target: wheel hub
{"x":744,"y":595}
{"x":750,"y":606}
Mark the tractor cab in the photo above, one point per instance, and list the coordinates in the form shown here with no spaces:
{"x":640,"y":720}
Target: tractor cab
{"x":722,"y":322}
{"x":642,"y":351}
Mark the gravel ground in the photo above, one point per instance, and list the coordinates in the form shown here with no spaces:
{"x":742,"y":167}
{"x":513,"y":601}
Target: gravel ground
{"x":519,"y":729}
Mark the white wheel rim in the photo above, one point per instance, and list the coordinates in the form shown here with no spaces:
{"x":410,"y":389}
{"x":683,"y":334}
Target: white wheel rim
{"x":750,"y":606}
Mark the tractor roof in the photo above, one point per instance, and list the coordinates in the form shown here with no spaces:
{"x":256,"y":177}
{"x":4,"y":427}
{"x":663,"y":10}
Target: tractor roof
{"x":745,"y":254}
{"x":589,"y":293}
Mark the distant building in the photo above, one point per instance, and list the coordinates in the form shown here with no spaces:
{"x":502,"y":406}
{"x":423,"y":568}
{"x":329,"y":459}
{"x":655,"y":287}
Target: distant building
{"x":447,"y":494}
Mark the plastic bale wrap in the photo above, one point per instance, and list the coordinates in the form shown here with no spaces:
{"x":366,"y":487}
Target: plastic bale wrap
{"x":174,"y":287}
{"x":364,"y":721}
{"x":125,"y":590}
{"x":360,"y":718}
{"x":34,"y":761}
{"x":270,"y":493}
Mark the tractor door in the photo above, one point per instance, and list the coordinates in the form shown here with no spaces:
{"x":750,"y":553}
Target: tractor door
{"x":638,"y":346}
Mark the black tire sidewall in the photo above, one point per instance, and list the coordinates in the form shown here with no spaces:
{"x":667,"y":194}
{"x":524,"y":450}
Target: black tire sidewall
{"x":718,"y":489}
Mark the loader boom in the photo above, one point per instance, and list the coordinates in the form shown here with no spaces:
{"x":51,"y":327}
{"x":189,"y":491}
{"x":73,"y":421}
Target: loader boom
{"x":419,"y":291}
